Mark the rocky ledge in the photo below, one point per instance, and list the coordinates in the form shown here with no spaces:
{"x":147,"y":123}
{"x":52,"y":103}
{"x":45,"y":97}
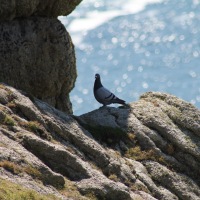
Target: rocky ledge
{"x":147,"y":150}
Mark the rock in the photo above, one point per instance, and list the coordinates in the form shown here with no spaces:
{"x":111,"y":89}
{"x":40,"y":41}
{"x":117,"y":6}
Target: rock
{"x":37,"y":56}
{"x":145,"y":177}
{"x":16,"y":159}
{"x":163,"y":129}
{"x":179,"y":184}
{"x":3,"y":96}
{"x":181,"y":112}
{"x":59,"y":159}
{"x":104,"y":189}
{"x":68,"y":129}
{"x":26,"y":8}
{"x":27,"y":183}
{"x":125,"y":153}
{"x":69,"y":157}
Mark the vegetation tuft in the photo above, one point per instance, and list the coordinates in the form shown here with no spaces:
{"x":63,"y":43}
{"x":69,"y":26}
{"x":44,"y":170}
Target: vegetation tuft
{"x":17,"y":169}
{"x":36,"y":128}
{"x":114,"y":177}
{"x":2,"y":86}
{"x":9,"y":121}
{"x":71,"y":191}
{"x":11,"y":167}
{"x":9,"y":190}
{"x":137,"y":154}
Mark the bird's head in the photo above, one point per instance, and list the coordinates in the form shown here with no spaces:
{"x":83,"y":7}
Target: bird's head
{"x":97,"y":76}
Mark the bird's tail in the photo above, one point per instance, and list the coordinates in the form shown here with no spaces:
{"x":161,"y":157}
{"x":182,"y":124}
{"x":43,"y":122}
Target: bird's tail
{"x":120,"y":101}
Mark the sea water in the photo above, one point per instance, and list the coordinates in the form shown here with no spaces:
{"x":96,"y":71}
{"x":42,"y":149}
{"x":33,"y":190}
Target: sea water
{"x":136,"y":46}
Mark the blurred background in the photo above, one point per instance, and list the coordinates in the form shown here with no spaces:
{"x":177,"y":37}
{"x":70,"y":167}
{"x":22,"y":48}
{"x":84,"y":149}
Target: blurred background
{"x":136,"y":46}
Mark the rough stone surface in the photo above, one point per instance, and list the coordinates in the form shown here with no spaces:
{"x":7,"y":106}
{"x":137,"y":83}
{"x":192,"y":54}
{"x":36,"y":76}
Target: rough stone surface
{"x":37,"y":56}
{"x":167,"y":131}
{"x":125,"y":153}
{"x":15,"y":153}
{"x":181,"y":185}
{"x":11,"y":9}
{"x":104,"y":188}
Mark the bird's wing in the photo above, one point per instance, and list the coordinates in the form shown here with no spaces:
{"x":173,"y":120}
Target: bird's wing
{"x":104,"y":94}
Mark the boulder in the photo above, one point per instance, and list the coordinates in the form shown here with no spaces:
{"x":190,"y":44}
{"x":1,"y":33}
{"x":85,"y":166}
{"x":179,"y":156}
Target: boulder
{"x":37,"y":56}
{"x":25,"y":8}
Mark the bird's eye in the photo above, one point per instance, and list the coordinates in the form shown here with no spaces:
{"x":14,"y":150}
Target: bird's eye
{"x":97,"y":76}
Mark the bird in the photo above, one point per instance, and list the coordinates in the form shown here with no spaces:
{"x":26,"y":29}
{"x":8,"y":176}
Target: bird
{"x":103,"y":95}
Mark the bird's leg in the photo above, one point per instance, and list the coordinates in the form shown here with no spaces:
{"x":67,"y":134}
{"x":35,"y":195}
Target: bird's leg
{"x":125,"y":106}
{"x":103,"y":106}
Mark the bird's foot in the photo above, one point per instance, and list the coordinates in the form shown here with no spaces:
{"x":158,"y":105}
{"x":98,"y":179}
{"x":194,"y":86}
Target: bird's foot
{"x":102,"y":107}
{"x":124,"y":106}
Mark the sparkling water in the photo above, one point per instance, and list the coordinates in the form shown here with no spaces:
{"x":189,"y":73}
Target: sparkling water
{"x":136,"y":46}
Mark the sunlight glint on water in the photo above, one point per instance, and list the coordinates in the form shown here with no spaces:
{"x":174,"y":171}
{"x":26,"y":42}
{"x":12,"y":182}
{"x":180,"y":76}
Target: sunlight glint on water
{"x":137,"y":46}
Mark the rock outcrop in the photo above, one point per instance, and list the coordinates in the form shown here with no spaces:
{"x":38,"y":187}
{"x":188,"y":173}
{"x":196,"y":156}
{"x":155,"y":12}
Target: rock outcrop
{"x":147,"y":150}
{"x":26,"y":8}
{"x":165,"y":134}
{"x":37,"y":54}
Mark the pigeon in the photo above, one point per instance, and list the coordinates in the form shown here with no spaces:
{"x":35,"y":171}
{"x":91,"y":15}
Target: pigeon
{"x":103,"y":95}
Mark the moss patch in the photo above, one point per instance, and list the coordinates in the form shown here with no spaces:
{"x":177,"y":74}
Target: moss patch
{"x":70,"y":190}
{"x":114,"y":177}
{"x":9,"y":190}
{"x":12,"y":105}
{"x":11,"y":167}
{"x":170,"y":149}
{"x":137,"y":154}
{"x":34,"y":126}
{"x":2,"y":86}
{"x":9,"y":121}
{"x":17,"y":169}
{"x":35,"y":173}
{"x":37,"y":128}
{"x":91,"y":195}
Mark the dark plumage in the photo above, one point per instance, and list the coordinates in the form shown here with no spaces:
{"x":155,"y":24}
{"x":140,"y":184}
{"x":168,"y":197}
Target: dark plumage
{"x":104,"y":96}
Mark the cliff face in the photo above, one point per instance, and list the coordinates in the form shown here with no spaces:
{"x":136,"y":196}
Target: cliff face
{"x":148,"y":150}
{"x":37,"y":54}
